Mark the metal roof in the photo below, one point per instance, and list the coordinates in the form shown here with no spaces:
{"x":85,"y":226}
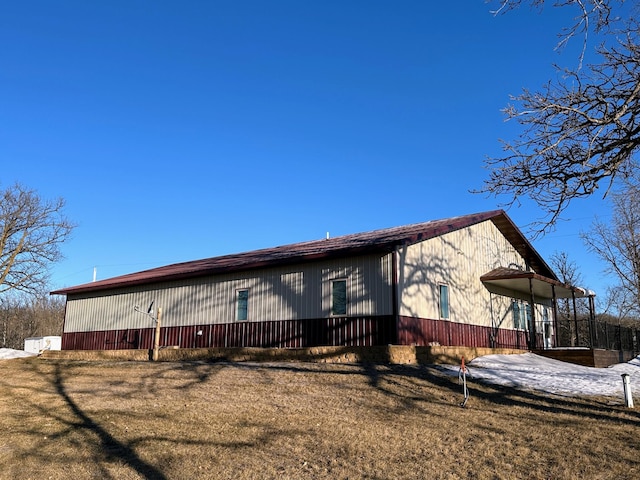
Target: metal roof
{"x":384,"y":240}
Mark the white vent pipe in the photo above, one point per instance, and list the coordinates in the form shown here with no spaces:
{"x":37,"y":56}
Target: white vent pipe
{"x":628,"y":398}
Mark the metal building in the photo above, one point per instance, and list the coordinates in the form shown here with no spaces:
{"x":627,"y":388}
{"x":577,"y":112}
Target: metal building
{"x":472,"y":280}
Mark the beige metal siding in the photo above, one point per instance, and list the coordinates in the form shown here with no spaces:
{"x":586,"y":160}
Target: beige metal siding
{"x":283,"y":293}
{"x":456,"y":259}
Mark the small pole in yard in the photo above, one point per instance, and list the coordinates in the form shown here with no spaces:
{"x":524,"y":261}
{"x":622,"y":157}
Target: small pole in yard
{"x":156,"y":337}
{"x":462,"y":377}
{"x":156,"y":332}
{"x":628,"y":398}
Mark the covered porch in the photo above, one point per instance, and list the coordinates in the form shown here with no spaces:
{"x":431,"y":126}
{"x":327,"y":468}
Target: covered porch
{"x":537,"y":289}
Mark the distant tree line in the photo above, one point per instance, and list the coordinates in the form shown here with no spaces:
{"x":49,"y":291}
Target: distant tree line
{"x":31,"y":317}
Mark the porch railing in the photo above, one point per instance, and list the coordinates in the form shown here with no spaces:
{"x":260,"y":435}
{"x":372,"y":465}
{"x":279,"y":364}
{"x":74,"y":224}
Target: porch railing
{"x":596,"y":334}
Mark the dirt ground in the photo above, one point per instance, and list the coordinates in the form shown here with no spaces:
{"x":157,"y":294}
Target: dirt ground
{"x":183,"y":420}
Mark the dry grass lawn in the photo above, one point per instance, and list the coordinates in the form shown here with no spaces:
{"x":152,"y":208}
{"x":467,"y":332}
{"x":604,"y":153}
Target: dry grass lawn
{"x":135,"y":420}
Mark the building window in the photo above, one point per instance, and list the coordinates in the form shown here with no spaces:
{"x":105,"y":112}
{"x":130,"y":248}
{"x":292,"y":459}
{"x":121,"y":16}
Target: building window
{"x":444,"y":301}
{"x":521,"y":315}
{"x":339,"y":297}
{"x":515,"y":309}
{"x":242,"y":300}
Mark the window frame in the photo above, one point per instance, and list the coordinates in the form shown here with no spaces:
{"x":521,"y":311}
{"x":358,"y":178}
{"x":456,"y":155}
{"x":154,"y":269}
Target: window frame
{"x":521,"y":321}
{"x":444,"y":308}
{"x":516,"y":314}
{"x":332,"y":306}
{"x":239,"y":292}
{"x":528,"y":316}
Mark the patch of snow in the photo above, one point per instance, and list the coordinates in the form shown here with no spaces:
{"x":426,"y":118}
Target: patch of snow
{"x":534,"y":372}
{"x":7,"y":353}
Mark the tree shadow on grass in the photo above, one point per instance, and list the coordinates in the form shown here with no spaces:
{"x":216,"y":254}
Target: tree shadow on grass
{"x":110,"y":445}
{"x":72,"y":420}
{"x":408,"y":384}
{"x":411,"y":388}
{"x":33,"y":398}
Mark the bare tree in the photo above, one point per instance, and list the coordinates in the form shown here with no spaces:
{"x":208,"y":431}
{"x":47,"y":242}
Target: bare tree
{"x":31,"y":232}
{"x":617,"y":304}
{"x":567,"y":270}
{"x":581,"y":131}
{"x":569,"y":333}
{"x":618,"y":244}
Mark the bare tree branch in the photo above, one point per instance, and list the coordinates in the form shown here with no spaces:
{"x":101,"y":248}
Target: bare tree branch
{"x":581,"y":132}
{"x":31,"y":232}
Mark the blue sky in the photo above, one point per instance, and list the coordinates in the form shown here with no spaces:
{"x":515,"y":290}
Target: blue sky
{"x":184,"y":130}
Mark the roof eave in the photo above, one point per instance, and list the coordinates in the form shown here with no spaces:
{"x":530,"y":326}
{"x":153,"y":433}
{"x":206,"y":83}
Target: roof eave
{"x":523,"y":246}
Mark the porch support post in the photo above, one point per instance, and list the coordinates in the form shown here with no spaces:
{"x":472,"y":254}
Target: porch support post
{"x":555,"y":315}
{"x":574,"y":340}
{"x":592,"y":322}
{"x":494,"y":329}
{"x":533,"y":341}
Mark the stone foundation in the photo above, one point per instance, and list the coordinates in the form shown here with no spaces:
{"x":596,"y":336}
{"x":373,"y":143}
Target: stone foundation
{"x":392,"y":354}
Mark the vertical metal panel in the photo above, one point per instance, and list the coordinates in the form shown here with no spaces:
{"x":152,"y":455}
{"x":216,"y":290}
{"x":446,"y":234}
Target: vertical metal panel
{"x":217,"y":336}
{"x":168,"y":336}
{"x":457,"y":259}
{"x":99,"y":340}
{"x":342,"y":331}
{"x":187,"y":336}
{"x":201,"y":336}
{"x":416,"y":331}
{"x":286,"y":308}
{"x":292,"y":293}
{"x":146,"y":337}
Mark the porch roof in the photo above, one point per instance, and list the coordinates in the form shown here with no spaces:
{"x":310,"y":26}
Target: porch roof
{"x":543,"y":287}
